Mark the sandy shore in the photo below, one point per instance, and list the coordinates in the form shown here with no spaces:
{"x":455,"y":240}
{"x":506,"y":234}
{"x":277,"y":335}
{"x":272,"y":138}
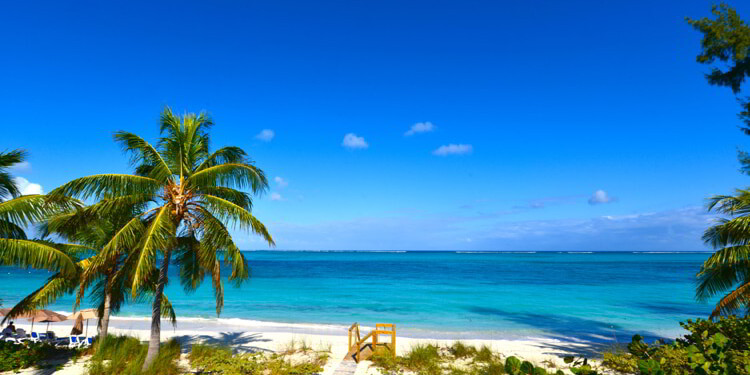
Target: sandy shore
{"x":264,"y":336}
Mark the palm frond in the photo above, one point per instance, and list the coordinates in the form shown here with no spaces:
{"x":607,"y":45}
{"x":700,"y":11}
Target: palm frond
{"x":159,"y":235}
{"x":733,"y":301}
{"x":216,"y":237}
{"x":36,"y":254}
{"x":8,"y":188}
{"x":105,"y":186}
{"x":143,"y":152}
{"x":233,"y":175}
{"x":237,"y":216}
{"x":26,"y":209}
{"x":54,"y":288}
{"x":229,"y":154}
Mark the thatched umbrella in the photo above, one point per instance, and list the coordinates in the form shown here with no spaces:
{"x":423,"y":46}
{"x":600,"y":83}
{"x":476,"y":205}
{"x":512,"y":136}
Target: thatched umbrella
{"x":43,"y":316}
{"x":4,"y":311}
{"x":84,"y":314}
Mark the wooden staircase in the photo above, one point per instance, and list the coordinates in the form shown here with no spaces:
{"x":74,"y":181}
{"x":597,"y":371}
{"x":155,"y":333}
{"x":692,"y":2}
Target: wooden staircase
{"x":361,"y":349}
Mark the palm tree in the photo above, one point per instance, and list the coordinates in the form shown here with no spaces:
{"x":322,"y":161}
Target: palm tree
{"x":728,"y":269}
{"x":18,"y":211}
{"x":108,"y":280}
{"x":193,"y":196}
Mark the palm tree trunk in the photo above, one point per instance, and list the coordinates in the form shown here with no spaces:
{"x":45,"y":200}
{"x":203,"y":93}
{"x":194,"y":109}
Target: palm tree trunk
{"x":104,"y":322}
{"x":153,"y":344}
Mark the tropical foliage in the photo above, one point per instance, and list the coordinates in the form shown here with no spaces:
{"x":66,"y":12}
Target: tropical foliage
{"x":109,"y":281}
{"x":709,"y":348}
{"x":19,"y":211}
{"x":194,"y":196}
{"x":14,"y":357}
{"x":726,"y":40}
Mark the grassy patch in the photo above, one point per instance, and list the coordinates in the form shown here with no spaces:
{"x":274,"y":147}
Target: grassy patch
{"x":299,"y":360}
{"x":457,"y":359}
{"x":125,"y":355}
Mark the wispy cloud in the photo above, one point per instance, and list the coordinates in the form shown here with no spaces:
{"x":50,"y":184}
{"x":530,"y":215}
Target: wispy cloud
{"x":26,"y":187}
{"x":281,"y":182}
{"x":420,"y":127}
{"x":276,"y":196}
{"x":670,"y":230}
{"x":453,"y":149}
{"x":23,"y":166}
{"x":600,"y":197}
{"x":352,"y":141}
{"x":265,"y":135}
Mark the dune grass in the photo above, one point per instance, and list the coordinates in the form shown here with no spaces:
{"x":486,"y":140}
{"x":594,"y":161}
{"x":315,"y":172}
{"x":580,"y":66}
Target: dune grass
{"x":457,"y":359}
{"x":297,"y":359}
{"x":125,"y":355}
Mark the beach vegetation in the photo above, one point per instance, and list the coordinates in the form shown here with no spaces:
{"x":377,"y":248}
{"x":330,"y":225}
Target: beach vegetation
{"x":223,"y":360}
{"x":14,"y":357}
{"x":195,"y":196}
{"x":456,"y":359}
{"x":709,"y":348}
{"x":484,"y":354}
{"x":726,"y":47}
{"x":125,"y":355}
{"x":461,"y":350}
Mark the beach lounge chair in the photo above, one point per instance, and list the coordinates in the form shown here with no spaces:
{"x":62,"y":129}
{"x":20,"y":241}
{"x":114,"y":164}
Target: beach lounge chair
{"x":36,"y":337}
{"x":75,"y":342}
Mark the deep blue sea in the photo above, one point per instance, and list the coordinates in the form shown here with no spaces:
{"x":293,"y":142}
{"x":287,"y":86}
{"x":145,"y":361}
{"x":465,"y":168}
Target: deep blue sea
{"x":592,"y":296}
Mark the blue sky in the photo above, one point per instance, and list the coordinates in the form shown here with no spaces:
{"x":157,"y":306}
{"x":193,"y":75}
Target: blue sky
{"x":522,"y":112}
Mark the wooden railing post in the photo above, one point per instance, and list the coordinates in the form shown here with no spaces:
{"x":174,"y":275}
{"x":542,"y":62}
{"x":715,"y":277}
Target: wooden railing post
{"x":393,"y":341}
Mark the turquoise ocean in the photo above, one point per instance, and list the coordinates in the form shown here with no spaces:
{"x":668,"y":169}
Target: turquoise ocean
{"x":597,"y":296}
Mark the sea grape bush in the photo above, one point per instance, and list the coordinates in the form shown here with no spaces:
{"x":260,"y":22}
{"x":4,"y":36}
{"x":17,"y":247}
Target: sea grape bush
{"x":719,"y":347}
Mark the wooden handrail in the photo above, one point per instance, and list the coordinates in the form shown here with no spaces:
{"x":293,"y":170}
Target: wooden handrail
{"x":374,"y":335}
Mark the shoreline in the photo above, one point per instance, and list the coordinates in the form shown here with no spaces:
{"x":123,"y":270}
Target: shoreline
{"x":202,"y":324}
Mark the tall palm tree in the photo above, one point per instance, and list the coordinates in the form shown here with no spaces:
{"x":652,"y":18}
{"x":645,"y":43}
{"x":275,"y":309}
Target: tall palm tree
{"x":728,"y":269}
{"x":193,"y":196}
{"x":19,"y":211}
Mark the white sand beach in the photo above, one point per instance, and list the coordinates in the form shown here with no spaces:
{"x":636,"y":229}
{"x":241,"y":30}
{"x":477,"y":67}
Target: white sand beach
{"x":267,"y":336}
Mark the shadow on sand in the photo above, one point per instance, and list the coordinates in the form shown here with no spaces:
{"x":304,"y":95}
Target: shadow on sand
{"x":241,"y":342}
{"x":590,"y":337}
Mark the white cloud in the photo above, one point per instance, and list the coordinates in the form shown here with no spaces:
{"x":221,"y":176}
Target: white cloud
{"x":281,"y":182}
{"x":22,"y":166}
{"x":671,"y":230}
{"x":452,"y":149}
{"x":420,"y":127}
{"x":265,"y":135}
{"x":352,"y":141}
{"x":276,"y":197}
{"x":601,"y":196}
{"x":26,"y":187}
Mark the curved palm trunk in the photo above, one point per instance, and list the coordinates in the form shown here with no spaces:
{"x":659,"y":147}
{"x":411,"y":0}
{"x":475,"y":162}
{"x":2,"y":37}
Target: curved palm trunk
{"x":153,"y":344}
{"x":104,"y":322}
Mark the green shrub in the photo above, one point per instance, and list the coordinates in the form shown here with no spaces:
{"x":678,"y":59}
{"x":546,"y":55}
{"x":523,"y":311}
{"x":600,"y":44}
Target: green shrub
{"x":125,"y":355}
{"x":620,"y":362}
{"x":512,"y":365}
{"x":527,"y":368}
{"x":17,"y":356}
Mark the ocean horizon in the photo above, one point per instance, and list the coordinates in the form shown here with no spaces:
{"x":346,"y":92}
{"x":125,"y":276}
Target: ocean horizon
{"x":599,"y":296}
